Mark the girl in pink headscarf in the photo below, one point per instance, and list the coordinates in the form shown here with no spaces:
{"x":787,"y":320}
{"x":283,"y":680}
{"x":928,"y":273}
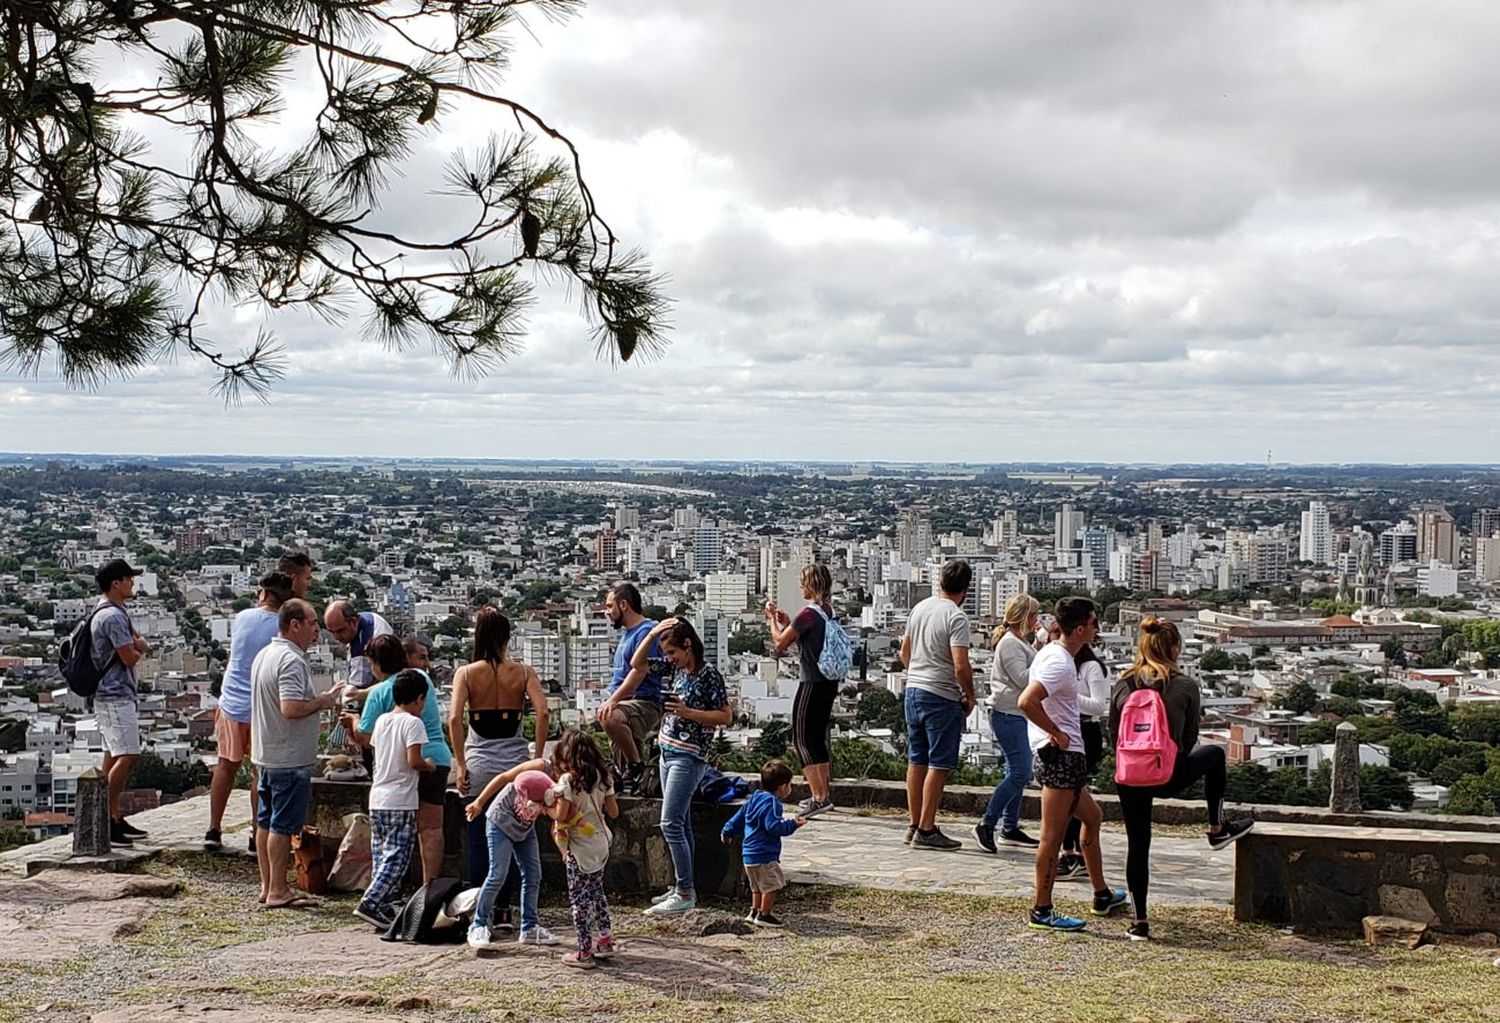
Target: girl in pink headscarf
{"x":510,"y":828}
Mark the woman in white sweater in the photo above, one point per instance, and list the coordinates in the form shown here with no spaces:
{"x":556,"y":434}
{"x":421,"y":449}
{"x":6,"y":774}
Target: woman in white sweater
{"x":1009,"y":670}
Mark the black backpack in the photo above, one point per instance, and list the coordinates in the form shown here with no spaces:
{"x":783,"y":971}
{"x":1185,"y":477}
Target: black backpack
{"x":76,"y":658}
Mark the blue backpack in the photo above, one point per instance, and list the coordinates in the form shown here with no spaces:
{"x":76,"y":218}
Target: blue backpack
{"x":838,"y":653}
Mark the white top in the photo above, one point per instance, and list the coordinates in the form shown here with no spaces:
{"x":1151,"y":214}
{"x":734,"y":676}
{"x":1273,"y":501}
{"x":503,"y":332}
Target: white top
{"x":586,"y":835}
{"x":1093,"y":696}
{"x":1053,"y":670}
{"x":395,"y":784}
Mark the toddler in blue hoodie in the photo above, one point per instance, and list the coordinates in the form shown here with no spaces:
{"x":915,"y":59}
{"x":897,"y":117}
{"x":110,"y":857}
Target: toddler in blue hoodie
{"x":760,"y":825}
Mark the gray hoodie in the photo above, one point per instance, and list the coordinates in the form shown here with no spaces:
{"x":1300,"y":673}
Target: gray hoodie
{"x":1009,"y":673}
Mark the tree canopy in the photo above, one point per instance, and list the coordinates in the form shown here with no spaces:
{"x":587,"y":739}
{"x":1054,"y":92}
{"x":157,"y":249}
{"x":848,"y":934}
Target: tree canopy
{"x":141,"y":185}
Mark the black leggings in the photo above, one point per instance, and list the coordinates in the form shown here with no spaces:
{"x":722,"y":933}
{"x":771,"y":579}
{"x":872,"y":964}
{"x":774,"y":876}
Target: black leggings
{"x":1206,"y":762}
{"x":1093,"y":753}
{"x":812,"y":710}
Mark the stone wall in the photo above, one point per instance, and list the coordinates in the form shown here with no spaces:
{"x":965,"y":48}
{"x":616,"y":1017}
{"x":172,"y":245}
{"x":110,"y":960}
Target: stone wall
{"x":1322,"y":880}
{"x":970,"y":801}
{"x":638,"y":859}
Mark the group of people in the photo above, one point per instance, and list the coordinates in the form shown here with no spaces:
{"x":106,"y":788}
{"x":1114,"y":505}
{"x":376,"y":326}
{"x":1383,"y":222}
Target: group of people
{"x":1054,"y":712}
{"x":1051,"y":706}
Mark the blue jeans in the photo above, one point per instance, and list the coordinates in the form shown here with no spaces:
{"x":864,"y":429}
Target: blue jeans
{"x":934,"y":728}
{"x":284,"y":794}
{"x":529,"y":855}
{"x":680,"y":775}
{"x":1015,"y":747}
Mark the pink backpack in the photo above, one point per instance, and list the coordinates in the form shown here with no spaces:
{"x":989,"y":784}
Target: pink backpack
{"x":1145,"y":752}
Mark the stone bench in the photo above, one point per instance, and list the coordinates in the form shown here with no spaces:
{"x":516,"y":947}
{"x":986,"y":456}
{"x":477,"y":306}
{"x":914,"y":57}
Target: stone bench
{"x":1327,"y":879}
{"x":638,"y":859}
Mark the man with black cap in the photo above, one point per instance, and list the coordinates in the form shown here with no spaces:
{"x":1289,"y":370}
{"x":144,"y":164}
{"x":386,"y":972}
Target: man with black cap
{"x":116,"y":649}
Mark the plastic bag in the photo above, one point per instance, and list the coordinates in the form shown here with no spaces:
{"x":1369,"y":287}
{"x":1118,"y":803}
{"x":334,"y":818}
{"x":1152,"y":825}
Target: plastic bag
{"x":351,"y":868}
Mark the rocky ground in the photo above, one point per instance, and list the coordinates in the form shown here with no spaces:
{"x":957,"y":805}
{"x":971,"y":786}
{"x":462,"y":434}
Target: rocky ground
{"x":183,"y":940}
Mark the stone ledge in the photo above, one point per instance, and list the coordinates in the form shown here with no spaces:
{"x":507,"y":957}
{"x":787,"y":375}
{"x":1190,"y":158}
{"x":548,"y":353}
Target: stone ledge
{"x":1323,"y":880}
{"x":971,"y":800}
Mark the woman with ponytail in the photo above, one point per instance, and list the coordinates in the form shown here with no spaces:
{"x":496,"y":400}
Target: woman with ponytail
{"x":1155,"y":670}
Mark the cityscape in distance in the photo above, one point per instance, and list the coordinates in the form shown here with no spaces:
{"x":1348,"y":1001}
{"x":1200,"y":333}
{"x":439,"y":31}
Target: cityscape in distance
{"x":1307,"y":595}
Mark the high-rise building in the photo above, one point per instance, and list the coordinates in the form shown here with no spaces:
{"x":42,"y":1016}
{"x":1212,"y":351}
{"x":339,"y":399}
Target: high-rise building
{"x":685,"y":518}
{"x":1262,"y":554}
{"x":1486,"y":522}
{"x":1065,"y":526}
{"x":627,"y":518}
{"x":1398,"y":544}
{"x":1437,"y":536}
{"x":713,"y":629}
{"x":1004,"y":529}
{"x":1317,"y":534}
{"x":728,"y":592}
{"x":708,"y":548}
{"x":1487,"y":558}
{"x":1153,"y":535}
{"x":914,"y":536}
{"x":607,"y":550}
{"x":1098,"y":545}
{"x":1182,"y":546}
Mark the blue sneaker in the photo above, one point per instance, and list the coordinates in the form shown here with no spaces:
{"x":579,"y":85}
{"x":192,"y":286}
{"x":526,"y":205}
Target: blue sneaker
{"x":1050,"y":920}
{"x":1106,"y":903}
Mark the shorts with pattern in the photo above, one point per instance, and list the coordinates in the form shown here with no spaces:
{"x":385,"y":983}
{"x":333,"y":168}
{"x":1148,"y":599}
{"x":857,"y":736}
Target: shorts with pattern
{"x":765,"y":877}
{"x":232,"y":736}
{"x":119,"y":727}
{"x":1061,"y":769}
{"x":643,"y":717}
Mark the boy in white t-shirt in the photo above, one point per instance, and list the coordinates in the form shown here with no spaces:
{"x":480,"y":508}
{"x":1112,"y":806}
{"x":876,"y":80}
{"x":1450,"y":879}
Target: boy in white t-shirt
{"x":397,"y":741}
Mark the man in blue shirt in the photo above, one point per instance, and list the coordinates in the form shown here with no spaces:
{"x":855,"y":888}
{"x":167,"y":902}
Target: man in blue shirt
{"x":632,"y":711}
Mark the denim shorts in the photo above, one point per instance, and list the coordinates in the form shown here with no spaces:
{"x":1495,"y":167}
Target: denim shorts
{"x":284,"y":794}
{"x":934,"y":726}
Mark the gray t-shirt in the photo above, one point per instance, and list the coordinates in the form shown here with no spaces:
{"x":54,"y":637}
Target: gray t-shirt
{"x":281,"y":672}
{"x":110,"y":630}
{"x":936,"y":626}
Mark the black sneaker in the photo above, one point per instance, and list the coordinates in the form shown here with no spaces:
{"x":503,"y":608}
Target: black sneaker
{"x":1107,"y":902}
{"x":213,"y":841}
{"x":1017,"y":837}
{"x":1139,"y":931}
{"x":984,"y":834}
{"x":130,"y":829}
{"x":1071,"y":868}
{"x":633,"y":775}
{"x":1232,"y":832}
{"x":378,"y":916}
{"x":118,"y":837}
{"x":935,"y":839}
{"x":769,"y":920}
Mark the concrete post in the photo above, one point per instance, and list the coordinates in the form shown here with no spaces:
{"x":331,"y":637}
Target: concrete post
{"x":91,"y":815}
{"x":1344,"y":796}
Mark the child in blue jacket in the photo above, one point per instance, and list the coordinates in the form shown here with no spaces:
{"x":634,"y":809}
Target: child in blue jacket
{"x":760,"y":825}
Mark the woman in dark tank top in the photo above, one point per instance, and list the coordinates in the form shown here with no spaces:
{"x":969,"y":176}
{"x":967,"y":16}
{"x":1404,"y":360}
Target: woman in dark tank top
{"x":484,"y":724}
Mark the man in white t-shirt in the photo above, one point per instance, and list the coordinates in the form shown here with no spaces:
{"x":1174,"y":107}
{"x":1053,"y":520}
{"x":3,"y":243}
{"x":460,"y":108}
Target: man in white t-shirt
{"x":398,"y":740}
{"x":1050,"y":703}
{"x":939,"y":696}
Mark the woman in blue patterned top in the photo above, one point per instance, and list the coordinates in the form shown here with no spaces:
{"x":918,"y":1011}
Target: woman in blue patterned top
{"x":695,"y":703}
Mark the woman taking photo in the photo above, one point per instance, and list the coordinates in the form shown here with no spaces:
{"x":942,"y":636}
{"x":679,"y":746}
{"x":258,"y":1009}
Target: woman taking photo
{"x":1155,"y":669}
{"x":1008,"y":678}
{"x":812,"y":709}
{"x":695,"y":704}
{"x":489,"y":699}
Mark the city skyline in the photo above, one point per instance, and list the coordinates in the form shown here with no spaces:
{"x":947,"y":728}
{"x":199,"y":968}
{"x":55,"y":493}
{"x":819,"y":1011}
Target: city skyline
{"x":989,"y":237}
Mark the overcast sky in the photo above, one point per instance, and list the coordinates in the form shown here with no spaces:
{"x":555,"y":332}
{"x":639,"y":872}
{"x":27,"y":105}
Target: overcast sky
{"x":1085,"y":231}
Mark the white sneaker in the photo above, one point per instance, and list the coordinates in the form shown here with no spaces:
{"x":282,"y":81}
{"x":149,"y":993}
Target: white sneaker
{"x":670,"y":893}
{"x":537,"y":935}
{"x":479,"y":937}
{"x":676,"y":904}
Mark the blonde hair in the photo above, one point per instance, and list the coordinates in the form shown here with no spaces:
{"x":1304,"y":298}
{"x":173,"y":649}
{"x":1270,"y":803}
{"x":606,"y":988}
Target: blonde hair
{"x":1155,"y":654}
{"x":818,"y":579}
{"x":1018,"y":611}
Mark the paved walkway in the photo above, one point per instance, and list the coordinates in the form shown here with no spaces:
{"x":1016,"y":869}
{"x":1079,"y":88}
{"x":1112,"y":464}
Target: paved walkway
{"x":838,"y":848}
{"x":841,"y":848}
